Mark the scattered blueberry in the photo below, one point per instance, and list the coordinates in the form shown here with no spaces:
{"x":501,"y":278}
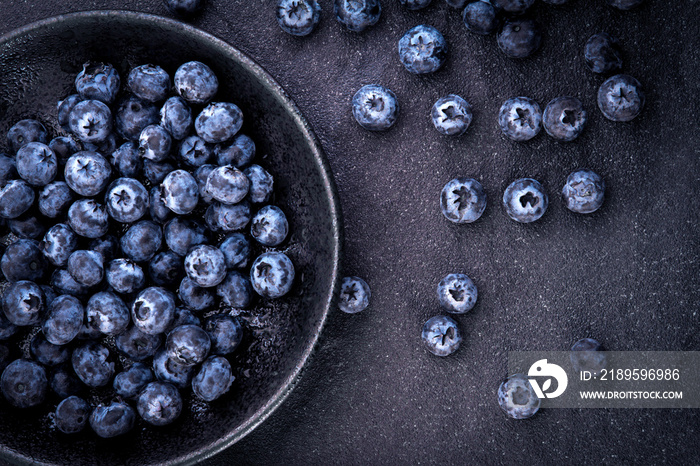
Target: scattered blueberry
{"x":517,"y":397}
{"x":354,"y":295}
{"x":525,"y":200}
{"x":422,"y":49}
{"x":149,"y":82}
{"x":272,"y":274}
{"x":621,"y":98}
{"x":99,"y":81}
{"x":132,"y":116}
{"x":584,"y":191}
{"x":72,"y":415}
{"x":184,"y":8}
{"x":298,"y":17}
{"x":225,"y":333}
{"x":180,"y":192}
{"x":357,"y":15}
{"x":86,"y":267}
{"x":236,"y":249}
{"x":213,"y":379}
{"x":457,"y":293}
{"x":23,"y":260}
{"x":463,"y":200}
{"x":141,"y":241}
{"x":516,"y":7}
{"x":92,"y":365}
{"x":36,"y":164}
{"x":137,"y":345}
{"x":159,"y":403}
{"x":24,"y":383}
{"x":602,"y":53}
{"x":153,"y":310}
{"x":196,"y":82}
{"x":91,"y":121}
{"x":106,"y":312}
{"x":587,"y":355}
{"x":25,"y":131}
{"x":116,"y":418}
{"x":375,"y":107}
{"x":63,"y":320}
{"x":194,"y":296}
{"x":520,"y":118}
{"x":441,"y":335}
{"x":239,"y":152}
{"x":107,"y":245}
{"x":564,"y":118}
{"x":129,"y":383}
{"x":451,"y":115}
{"x":480,"y":17}
{"x":181,"y":233}
{"x":54,"y":199}
{"x":519,"y":38}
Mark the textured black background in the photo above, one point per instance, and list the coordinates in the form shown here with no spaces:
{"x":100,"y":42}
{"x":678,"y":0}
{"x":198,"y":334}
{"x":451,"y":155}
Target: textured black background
{"x":627,"y":275}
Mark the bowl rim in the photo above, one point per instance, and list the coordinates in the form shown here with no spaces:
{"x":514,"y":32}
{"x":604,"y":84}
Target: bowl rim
{"x":328,"y":183}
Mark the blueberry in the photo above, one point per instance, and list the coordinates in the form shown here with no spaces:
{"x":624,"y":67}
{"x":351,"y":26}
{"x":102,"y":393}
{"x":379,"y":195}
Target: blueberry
{"x":516,"y":7}
{"x":624,"y":4}
{"x":64,"y":147}
{"x":183,"y":316}
{"x":414,"y":4}
{"x":149,"y":82}
{"x":298,"y":17}
{"x":213,"y":379}
{"x":126,"y":200}
{"x":517,"y":397}
{"x":159,"y":403}
{"x":91,"y":363}
{"x":107,"y":245}
{"x":16,"y":197}
{"x":621,"y":98}
{"x":227,"y":185}
{"x":201,"y":175}
{"x":166,"y":269}
{"x":480,"y":17}
{"x":583,"y":192}
{"x":451,"y":115}
{"x":176,"y":117}
{"x":196,"y":82}
{"x":72,"y":415}
{"x":153,"y":310}
{"x":129,"y":383}
{"x":87,"y":173}
{"x":132,"y":116}
{"x":457,"y":293}
{"x":463,"y":200}
{"x":64,"y":283}
{"x":520,"y":118}
{"x":441,"y":335}
{"x":167,"y":370}
{"x":127,"y":160}
{"x":205,"y":265}
{"x":525,"y":200}
{"x":107,"y":146}
{"x":222,"y":217}
{"x":46,"y":353}
{"x":64,"y":108}
{"x":27,"y":227}
{"x":180,"y":192}
{"x":55,"y":199}
{"x":519,"y":38}
{"x":24,"y":383}
{"x":218,"y":122}
{"x":602,"y":53}
{"x":194,"y":152}
{"x":36,"y":164}
{"x":564,"y":118}
{"x":141,"y":241}
{"x":86,"y":267}
{"x":357,"y":15}
{"x":25,"y":131}
{"x":116,"y":418}
{"x":187,"y":345}
{"x":235,"y":291}
{"x":106,"y":312}
{"x":225,"y":333}
{"x":236,"y":249}
{"x":156,"y":207}
{"x":182,"y":233}
{"x":261,"y":183}
{"x":23,"y":260}
{"x":156,"y":172}
{"x":272,"y":274}
{"x":354,"y":295}
{"x":422,"y":49}
{"x":587,"y":355}
{"x":375,"y":107}
{"x":65,"y":383}
{"x":8,"y":169}
{"x":125,"y":276}
{"x":64,"y":320}
{"x":239,"y":152}
{"x":91,"y":121}
{"x":155,"y":143}
{"x":137,"y":345}
{"x":194,"y":296}
{"x":99,"y":81}
{"x":88,"y":218}
{"x":184,"y":8}
{"x":269,"y":226}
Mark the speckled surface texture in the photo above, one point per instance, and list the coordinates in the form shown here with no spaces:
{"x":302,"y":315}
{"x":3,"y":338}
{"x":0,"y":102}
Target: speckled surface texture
{"x":626,"y":275}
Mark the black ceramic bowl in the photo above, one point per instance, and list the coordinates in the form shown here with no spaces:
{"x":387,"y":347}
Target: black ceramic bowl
{"x":38,"y":64}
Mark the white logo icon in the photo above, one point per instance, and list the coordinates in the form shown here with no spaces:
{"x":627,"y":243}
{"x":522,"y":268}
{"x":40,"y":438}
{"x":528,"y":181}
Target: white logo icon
{"x":542,"y":368}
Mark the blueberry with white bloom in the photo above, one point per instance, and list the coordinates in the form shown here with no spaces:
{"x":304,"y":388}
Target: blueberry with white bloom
{"x":63,"y":320}
{"x":54,"y":199}
{"x":261,"y":183}
{"x":584,"y":191}
{"x":205,"y":265}
{"x":269,"y":226}
{"x":525,"y":200}
{"x":357,"y":15}
{"x":602,"y":53}
{"x":92,"y":364}
{"x":36,"y":164}
{"x":99,"y":81}
{"x":126,"y":200}
{"x":196,"y":82}
{"x":116,"y":418}
{"x":354,"y":295}
{"x":218,"y":122}
{"x":130,"y":382}
{"x":194,"y":296}
{"x":72,"y":415}
{"x":441,"y":335}
{"x":156,"y":207}
{"x":25,"y":131}
{"x":87,"y":173}
{"x":127,"y":160}
{"x":239,"y":152}
{"x":457,"y":293}
{"x":106,"y":312}
{"x":227,"y":185}
{"x":188,"y":345}
{"x":23,"y":260}
{"x":564,"y":118}
{"x":422,"y":49}
{"x":517,"y":398}
{"x":451,"y":115}
{"x":480,"y":17}
{"x":132,"y":116}
{"x":64,"y":107}
{"x":235,"y":291}
{"x":236,"y":249}
{"x":194,"y":151}
{"x":180,"y":192}
{"x":16,"y":197}
{"x":176,"y":117}
{"x":520,"y":118}
{"x":298,"y":17}
{"x":621,"y":98}
{"x":137,"y":345}
{"x":141,"y":241}
{"x":375,"y":107}
{"x":213,"y":379}
{"x":155,"y":143}
{"x":88,"y":218}
{"x":86,"y":267}
{"x":463,"y":200}
{"x":91,"y":121}
{"x":167,"y":370}
{"x":153,"y":310}
{"x":24,"y":303}
{"x":24,"y":383}
{"x":272,"y":274}
{"x":181,"y":233}
{"x":225,"y":333}
{"x":149,"y":82}
{"x":125,"y":276}
{"x":159,"y":403}
{"x":519,"y":37}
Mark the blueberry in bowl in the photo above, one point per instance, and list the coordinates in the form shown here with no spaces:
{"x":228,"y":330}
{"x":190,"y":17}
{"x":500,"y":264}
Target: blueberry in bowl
{"x":115,"y":432}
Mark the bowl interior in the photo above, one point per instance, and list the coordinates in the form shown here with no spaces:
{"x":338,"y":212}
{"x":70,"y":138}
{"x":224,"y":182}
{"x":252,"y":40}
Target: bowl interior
{"x":37,"y":67}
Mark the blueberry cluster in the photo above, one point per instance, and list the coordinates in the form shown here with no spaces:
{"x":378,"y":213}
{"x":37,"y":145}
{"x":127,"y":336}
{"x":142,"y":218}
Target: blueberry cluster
{"x":133,"y":234}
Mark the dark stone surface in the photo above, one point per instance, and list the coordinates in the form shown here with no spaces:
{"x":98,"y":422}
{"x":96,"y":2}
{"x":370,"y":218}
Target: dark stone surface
{"x":626,"y":275}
